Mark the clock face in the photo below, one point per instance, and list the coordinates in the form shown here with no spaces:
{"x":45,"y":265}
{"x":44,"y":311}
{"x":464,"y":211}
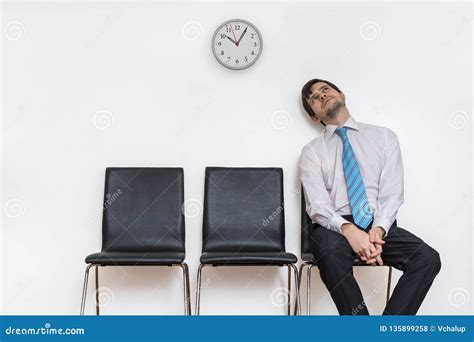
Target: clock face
{"x":237,"y":44}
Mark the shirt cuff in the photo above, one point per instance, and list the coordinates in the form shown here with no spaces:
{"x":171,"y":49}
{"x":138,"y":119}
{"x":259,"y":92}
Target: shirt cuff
{"x":382,"y":222}
{"x":336,"y":223}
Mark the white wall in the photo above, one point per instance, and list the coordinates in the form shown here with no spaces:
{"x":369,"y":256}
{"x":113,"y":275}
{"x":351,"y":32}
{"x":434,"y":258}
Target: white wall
{"x":169,"y":103}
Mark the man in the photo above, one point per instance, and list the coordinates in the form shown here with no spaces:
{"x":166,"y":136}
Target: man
{"x":352,"y":176}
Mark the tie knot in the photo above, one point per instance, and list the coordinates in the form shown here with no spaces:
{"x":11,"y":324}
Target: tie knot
{"x":342,"y":132}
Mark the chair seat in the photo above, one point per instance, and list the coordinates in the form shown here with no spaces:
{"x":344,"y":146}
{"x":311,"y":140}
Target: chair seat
{"x":233,"y":258}
{"x":135,"y":258}
{"x":309,"y":257}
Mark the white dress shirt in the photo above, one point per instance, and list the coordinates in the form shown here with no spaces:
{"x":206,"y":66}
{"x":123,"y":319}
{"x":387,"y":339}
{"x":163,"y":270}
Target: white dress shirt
{"x":378,"y":155}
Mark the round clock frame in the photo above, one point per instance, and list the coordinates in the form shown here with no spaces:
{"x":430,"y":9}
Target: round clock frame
{"x":214,"y":42}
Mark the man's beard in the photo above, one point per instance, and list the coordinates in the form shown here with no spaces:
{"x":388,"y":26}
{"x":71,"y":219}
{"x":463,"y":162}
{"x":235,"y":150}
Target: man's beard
{"x":334,"y":110}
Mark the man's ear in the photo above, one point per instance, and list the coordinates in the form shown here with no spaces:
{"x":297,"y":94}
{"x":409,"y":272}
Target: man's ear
{"x":343,"y":96}
{"x":315,"y":118}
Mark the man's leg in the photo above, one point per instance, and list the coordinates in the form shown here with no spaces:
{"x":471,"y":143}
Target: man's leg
{"x":420,"y":264}
{"x":335,"y":258}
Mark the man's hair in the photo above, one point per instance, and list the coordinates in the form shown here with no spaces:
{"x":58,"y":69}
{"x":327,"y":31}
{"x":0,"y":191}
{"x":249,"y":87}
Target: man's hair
{"x":306,"y":90}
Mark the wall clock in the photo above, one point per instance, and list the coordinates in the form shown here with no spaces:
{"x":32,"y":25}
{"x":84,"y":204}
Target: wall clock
{"x":237,"y":44}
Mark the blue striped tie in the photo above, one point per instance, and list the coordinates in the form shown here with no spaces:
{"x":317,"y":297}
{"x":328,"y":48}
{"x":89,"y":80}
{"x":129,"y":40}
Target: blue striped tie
{"x":361,"y":211}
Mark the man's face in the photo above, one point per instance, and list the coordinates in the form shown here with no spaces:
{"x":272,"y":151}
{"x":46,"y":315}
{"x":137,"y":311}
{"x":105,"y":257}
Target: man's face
{"x":325,"y":101}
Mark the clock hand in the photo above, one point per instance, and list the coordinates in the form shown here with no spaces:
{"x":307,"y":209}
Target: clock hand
{"x":233,"y":41}
{"x":243,"y":33}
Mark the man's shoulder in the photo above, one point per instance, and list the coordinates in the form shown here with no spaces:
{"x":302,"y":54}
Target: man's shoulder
{"x":375,"y":129}
{"x":314,"y":143}
{"x":365,"y":125}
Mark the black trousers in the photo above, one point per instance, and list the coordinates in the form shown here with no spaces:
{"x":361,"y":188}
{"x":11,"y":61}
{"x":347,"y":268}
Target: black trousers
{"x":404,"y":251}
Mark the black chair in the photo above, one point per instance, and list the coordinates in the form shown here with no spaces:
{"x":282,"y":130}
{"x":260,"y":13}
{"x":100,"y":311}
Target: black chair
{"x":142,"y":224}
{"x":244,"y":222}
{"x":308,"y":257}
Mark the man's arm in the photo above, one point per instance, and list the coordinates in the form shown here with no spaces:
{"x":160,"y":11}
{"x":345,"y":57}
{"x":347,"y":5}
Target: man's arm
{"x":318,"y":203}
{"x":390,"y":196}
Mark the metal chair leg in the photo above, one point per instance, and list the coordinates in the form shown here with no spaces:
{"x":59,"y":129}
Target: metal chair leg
{"x":302,"y":266}
{"x":389,"y":283}
{"x":97,"y":304}
{"x":297,"y":291}
{"x":289,"y":291}
{"x":308,"y":289}
{"x":84,"y":289}
{"x":198,"y":289}
{"x":187,"y":295}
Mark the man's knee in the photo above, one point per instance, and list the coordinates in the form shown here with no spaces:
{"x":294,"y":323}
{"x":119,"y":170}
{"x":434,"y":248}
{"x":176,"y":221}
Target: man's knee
{"x":430,"y":256}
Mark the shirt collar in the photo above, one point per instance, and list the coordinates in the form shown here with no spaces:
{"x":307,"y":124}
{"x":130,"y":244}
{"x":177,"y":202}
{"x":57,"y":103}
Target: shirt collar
{"x":350,"y":123}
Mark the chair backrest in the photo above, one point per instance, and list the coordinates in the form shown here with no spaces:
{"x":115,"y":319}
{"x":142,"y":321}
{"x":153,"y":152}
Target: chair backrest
{"x":143,"y":210}
{"x":306,"y":223}
{"x":243,"y":210}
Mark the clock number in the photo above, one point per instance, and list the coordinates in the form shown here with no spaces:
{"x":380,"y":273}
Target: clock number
{"x":228,"y":59}
{"x":254,"y":43}
{"x":222,"y":53}
{"x":252,"y":53}
{"x":219,"y":44}
{"x":237,"y":27}
{"x":246,"y":59}
{"x":223,"y":36}
{"x":228,"y":29}
{"x":252,"y":35}
{"x":236,"y":61}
